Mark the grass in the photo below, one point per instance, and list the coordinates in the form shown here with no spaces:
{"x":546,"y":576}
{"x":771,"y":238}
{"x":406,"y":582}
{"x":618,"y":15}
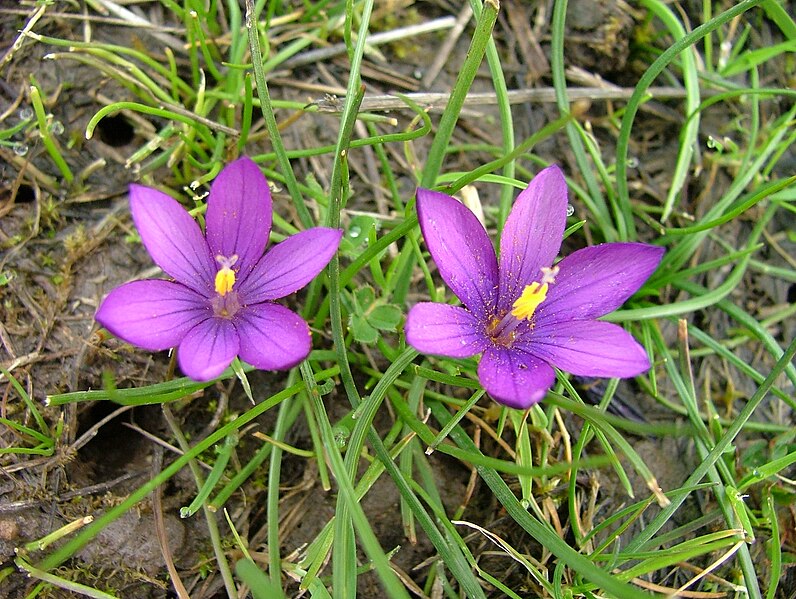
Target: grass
{"x":722,"y":385}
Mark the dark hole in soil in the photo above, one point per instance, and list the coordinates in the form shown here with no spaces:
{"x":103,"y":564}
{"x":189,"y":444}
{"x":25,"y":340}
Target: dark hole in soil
{"x":116,"y":447}
{"x":116,"y":131}
{"x":25,"y":194}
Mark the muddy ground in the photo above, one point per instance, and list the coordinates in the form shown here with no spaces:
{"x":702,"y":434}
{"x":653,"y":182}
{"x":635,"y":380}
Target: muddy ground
{"x":64,"y":247}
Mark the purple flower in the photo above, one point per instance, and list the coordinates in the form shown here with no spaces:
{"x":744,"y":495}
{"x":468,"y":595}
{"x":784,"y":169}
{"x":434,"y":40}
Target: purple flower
{"x":220,"y":303}
{"x":523,"y":314}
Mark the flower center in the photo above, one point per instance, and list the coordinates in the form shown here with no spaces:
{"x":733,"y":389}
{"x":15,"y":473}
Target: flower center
{"x":225,"y":306}
{"x":225,"y":277}
{"x":503,"y":331}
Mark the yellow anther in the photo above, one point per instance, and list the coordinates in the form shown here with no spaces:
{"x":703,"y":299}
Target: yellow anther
{"x":533,"y":295}
{"x":225,"y":279}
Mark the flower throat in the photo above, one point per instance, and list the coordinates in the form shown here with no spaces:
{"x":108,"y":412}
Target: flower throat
{"x":503,"y":330}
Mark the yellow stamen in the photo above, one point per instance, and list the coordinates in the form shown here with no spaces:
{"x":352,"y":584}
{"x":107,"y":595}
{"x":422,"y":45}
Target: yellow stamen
{"x":225,"y":279}
{"x":533,"y":295}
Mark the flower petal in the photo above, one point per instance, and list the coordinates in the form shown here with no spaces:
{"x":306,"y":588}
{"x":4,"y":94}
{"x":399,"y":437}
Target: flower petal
{"x":172,"y":238}
{"x":154,"y":315}
{"x":514,"y":378}
{"x":444,"y":330}
{"x":597,"y":280}
{"x":272,"y":337}
{"x":208,"y":349}
{"x":238,"y":219}
{"x":461,"y":248}
{"x":532,"y":235}
{"x":290,"y":265}
{"x":589,"y":348}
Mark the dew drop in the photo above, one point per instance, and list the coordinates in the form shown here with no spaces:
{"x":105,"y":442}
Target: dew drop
{"x":340,"y":441}
{"x":341,"y":435}
{"x":354,"y":232}
{"x":570,"y":209}
{"x":632,"y":162}
{"x":20,"y":148}
{"x":57,"y":128}
{"x":26,"y":113}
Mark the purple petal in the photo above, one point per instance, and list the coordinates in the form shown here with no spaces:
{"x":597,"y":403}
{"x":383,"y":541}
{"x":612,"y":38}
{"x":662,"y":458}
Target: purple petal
{"x":532,"y":235}
{"x":444,"y":330}
{"x":238,"y":219}
{"x":154,"y":315}
{"x":272,"y":337}
{"x":461,"y":248}
{"x":290,"y":265}
{"x":208,"y":349}
{"x":589,"y":348}
{"x":514,"y":378}
{"x":597,"y":280}
{"x":172,"y":238}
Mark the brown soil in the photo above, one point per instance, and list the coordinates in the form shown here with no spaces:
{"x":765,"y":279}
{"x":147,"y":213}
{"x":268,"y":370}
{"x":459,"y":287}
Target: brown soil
{"x":65,"y":247}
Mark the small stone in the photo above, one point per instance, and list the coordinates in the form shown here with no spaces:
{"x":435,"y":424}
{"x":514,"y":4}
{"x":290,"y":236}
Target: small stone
{"x":9,"y":529}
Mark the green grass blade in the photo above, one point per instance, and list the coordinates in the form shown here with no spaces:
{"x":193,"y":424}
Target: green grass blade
{"x":370,"y":544}
{"x":718,"y":449}
{"x":596,"y":200}
{"x":270,"y":120}
{"x":475,"y":54}
{"x":655,"y":69}
{"x":538,"y":530}
{"x":690,"y":129}
{"x":65,"y":551}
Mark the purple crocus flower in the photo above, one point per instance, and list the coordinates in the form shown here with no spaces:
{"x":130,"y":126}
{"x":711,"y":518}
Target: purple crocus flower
{"x":523,"y":314}
{"x":221,"y":301}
